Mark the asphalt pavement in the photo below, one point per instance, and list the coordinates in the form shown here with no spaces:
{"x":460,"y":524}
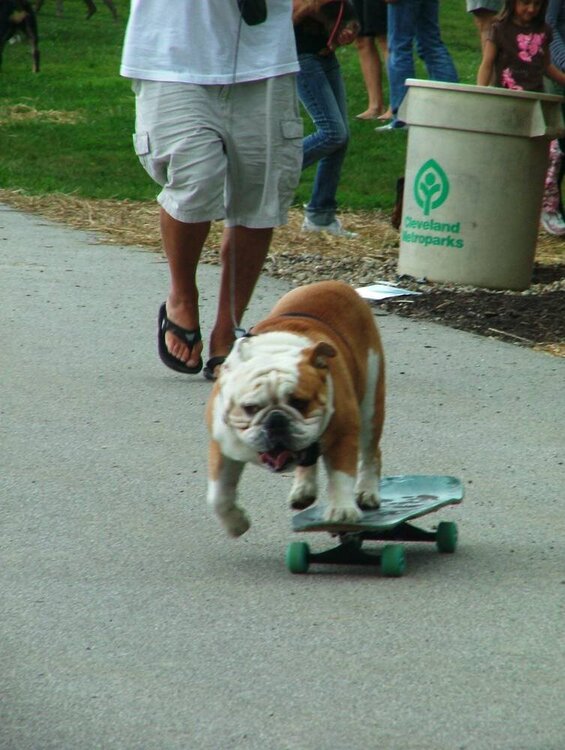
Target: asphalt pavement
{"x":129,"y":621}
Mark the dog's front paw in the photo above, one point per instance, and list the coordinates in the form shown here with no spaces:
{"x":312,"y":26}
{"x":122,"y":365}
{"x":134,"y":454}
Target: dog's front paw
{"x":304,"y":488}
{"x":342,"y":514}
{"x":235,"y":522}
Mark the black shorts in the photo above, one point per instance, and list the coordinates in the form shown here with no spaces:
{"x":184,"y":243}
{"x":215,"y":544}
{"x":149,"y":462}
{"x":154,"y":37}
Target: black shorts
{"x":372,"y":16}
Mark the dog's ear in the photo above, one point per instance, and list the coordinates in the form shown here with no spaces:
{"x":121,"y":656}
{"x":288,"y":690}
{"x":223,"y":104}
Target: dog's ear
{"x":320,"y":354}
{"x":238,"y":353}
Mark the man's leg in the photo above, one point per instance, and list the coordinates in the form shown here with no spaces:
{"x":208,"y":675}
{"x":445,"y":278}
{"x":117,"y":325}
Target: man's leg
{"x":183,"y":245}
{"x":243,"y":254}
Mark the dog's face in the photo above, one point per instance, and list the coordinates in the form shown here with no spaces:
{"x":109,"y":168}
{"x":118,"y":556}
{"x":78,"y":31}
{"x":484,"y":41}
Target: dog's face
{"x":275,"y":397}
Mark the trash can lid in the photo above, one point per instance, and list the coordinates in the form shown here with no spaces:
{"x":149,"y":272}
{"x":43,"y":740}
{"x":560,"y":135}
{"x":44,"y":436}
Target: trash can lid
{"x":486,"y":90}
{"x":482,"y":109}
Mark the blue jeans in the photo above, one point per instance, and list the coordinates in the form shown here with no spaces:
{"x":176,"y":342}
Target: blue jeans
{"x":322,"y":92}
{"x":417,"y":21}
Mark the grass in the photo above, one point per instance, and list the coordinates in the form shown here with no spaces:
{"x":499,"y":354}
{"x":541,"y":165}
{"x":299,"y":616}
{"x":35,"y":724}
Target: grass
{"x":75,"y":137}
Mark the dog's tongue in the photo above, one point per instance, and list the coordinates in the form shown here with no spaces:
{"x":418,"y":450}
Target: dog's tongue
{"x":276,"y":460}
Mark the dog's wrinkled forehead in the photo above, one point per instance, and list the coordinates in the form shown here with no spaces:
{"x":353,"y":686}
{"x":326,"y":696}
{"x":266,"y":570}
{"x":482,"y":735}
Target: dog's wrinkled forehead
{"x":266,"y":365}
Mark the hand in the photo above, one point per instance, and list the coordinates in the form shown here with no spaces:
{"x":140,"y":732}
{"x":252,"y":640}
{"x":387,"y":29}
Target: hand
{"x":347,"y":34}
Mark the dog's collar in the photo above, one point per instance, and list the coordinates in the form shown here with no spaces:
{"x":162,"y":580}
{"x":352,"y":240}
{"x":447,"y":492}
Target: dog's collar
{"x":311,"y":455}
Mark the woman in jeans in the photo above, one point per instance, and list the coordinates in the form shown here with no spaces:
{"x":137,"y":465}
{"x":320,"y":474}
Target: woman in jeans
{"x":319,"y":28}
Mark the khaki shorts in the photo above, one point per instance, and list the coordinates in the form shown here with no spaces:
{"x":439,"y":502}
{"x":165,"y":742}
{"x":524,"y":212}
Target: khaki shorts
{"x":221,"y":152}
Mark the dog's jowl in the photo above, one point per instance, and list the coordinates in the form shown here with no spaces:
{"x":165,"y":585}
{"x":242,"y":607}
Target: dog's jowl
{"x":307,"y":385}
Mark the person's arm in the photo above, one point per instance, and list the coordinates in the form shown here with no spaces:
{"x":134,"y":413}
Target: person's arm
{"x":301,"y":9}
{"x":348,"y":33}
{"x":484,"y":75}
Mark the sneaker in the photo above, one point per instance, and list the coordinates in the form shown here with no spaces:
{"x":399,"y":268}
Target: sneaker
{"x":393,"y":125}
{"x":334,"y":228}
{"x":553,"y":222}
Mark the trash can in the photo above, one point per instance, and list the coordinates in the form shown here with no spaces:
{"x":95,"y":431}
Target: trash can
{"x":475,"y":167}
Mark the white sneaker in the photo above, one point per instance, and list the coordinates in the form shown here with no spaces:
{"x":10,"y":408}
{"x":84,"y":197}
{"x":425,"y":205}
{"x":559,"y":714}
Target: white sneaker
{"x":334,"y":228}
{"x":553,"y":222}
{"x":392,"y":126}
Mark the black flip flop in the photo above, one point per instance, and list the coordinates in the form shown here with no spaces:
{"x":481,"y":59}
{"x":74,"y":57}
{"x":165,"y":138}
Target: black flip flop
{"x":211,"y":365}
{"x":186,"y":335}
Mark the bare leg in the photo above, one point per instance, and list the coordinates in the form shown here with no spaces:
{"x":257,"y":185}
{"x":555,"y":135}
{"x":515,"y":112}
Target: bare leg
{"x":112,"y":8}
{"x":243,"y":254}
{"x":183,"y":245}
{"x":483,"y":21}
{"x":383,"y":51}
{"x":371,"y":68}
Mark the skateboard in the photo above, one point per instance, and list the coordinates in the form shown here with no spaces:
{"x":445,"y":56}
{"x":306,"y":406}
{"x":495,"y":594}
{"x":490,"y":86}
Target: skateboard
{"x":403,"y":498}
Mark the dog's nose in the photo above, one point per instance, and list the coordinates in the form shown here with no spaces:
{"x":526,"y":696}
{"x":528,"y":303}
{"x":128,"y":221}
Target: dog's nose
{"x":276,"y":429}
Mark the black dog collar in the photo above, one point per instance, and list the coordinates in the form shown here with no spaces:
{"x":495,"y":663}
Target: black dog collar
{"x":310,"y":455}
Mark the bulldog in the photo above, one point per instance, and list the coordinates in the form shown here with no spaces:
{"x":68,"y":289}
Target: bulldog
{"x":307,"y":382}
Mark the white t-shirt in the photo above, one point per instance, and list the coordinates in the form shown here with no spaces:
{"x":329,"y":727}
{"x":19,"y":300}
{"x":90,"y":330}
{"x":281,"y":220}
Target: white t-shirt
{"x":205,"y":42}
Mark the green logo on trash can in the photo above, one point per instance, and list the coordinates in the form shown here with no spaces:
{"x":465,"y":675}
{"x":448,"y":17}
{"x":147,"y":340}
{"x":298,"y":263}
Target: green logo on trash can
{"x":431,"y":186}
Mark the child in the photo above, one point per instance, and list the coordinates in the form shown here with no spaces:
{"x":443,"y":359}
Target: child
{"x":552,"y":215}
{"x":516,"y":51}
{"x":517,"y":48}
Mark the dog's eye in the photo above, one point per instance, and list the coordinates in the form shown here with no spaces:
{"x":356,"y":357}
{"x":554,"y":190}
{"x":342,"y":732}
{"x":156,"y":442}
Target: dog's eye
{"x":300,"y":404}
{"x":251,"y":409}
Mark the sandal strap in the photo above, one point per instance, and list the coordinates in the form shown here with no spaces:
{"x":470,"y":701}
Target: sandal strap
{"x":190,"y":336}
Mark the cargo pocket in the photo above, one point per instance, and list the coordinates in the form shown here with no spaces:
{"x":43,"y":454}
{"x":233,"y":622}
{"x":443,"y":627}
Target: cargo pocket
{"x":291,"y":161}
{"x":156,"y":169}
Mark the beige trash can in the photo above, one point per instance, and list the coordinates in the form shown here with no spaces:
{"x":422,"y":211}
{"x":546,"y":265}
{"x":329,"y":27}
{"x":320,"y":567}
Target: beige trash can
{"x":475,"y":167}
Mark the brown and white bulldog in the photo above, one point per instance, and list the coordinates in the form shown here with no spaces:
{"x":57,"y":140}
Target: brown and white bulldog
{"x":308,"y":381}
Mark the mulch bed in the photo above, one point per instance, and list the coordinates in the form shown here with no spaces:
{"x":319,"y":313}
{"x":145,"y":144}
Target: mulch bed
{"x":534,"y":318}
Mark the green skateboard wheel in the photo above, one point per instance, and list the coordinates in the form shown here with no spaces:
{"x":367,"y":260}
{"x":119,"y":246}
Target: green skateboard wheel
{"x":446,"y":537}
{"x":393,"y":561}
{"x":298,"y":557}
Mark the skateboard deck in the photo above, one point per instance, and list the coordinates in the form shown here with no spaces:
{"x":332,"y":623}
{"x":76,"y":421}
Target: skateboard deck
{"x":403,"y":498}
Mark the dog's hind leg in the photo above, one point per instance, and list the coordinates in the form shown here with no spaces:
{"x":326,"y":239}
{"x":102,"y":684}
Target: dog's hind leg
{"x":35,"y":58}
{"x":112,"y":8}
{"x":222,"y":492}
{"x":91,"y":9}
{"x":32,"y":35}
{"x":372,"y":414}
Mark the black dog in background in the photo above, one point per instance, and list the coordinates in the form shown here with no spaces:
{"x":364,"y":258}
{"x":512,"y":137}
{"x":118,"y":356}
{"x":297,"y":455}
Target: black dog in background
{"x":90,"y":8}
{"x":18,"y":16}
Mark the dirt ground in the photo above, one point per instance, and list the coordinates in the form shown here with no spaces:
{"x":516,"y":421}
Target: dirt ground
{"x":534,"y":318}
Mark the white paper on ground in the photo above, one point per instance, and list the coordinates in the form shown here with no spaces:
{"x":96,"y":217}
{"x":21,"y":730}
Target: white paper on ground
{"x":383,"y":291}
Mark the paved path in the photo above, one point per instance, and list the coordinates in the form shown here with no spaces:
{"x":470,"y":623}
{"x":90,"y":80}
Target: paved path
{"x":129,"y":622}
